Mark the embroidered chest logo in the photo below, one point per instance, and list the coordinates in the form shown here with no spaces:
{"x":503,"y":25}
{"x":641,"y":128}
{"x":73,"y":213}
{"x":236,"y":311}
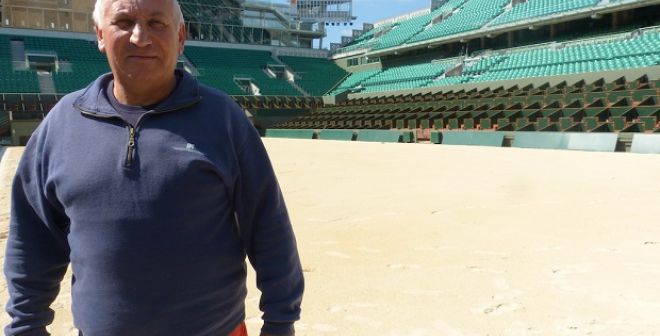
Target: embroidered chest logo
{"x":188,"y":148}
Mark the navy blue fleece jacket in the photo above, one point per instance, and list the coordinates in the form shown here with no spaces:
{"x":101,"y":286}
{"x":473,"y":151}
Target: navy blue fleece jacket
{"x":156,"y":220}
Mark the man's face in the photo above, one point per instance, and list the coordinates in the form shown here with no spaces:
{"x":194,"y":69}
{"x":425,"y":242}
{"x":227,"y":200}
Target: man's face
{"x":141,"y":38}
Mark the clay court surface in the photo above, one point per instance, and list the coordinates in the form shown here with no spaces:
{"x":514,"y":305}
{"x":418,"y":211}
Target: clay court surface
{"x":419,"y":239}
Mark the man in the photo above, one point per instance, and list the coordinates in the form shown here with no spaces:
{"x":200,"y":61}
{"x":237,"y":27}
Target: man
{"x":155,"y":188}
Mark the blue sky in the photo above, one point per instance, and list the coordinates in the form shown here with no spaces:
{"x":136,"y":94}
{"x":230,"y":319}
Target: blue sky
{"x":372,"y":11}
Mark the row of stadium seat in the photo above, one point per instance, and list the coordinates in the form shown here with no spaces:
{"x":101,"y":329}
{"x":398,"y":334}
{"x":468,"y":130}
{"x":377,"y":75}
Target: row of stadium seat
{"x":619,"y":105}
{"x":472,"y":16}
{"x":614,"y":52}
{"x":458,"y":16}
{"x":404,"y":31}
{"x":536,"y":8}
{"x":27,"y":102}
{"x":405,"y":77}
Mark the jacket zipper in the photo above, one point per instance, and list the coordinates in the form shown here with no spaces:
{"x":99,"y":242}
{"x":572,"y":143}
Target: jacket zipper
{"x":131,"y":146}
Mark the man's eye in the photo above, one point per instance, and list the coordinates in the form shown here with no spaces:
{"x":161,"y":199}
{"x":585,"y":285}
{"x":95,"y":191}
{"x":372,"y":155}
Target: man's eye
{"x":157,"y":24}
{"x":123,"y":24}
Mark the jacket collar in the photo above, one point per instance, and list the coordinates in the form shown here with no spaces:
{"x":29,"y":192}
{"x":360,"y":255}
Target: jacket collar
{"x":93,"y":99}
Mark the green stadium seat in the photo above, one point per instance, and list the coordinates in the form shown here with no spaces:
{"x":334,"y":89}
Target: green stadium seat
{"x":649,"y":122}
{"x":524,"y":124}
{"x":648,"y":106}
{"x":598,"y":112}
{"x":546,"y":124}
{"x":568,"y":124}
{"x":633,"y":127}
{"x":640,"y":95}
{"x":590,"y":124}
{"x":620,"y":98}
{"x":504,"y":124}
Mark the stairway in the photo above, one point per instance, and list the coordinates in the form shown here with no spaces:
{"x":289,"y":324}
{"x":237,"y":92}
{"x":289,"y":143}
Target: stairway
{"x":293,"y":83}
{"x":18,"y":55}
{"x":46,"y":84}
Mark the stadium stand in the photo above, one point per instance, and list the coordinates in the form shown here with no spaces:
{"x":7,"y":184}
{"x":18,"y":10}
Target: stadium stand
{"x":308,"y":69}
{"x":574,"y":74}
{"x":22,"y":79}
{"x":78,"y":61}
{"x":404,"y":31}
{"x":620,"y":51}
{"x":222,"y":68}
{"x":473,"y":15}
{"x":537,"y":8}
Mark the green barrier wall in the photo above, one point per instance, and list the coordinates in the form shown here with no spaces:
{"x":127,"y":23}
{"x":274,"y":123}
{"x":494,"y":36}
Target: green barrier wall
{"x":645,"y":144}
{"x":380,"y":136}
{"x":290,"y":133}
{"x":339,"y":134}
{"x":495,"y":139}
{"x":605,"y":142}
{"x":540,"y":140}
{"x":482,"y":138}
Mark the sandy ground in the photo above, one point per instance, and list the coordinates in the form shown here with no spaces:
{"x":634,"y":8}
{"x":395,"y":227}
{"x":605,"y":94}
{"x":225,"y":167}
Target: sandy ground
{"x":418,"y":239}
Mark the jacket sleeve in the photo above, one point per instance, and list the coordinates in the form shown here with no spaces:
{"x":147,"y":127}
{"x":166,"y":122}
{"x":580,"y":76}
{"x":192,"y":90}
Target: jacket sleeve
{"x":37,"y":253}
{"x":268,"y":238}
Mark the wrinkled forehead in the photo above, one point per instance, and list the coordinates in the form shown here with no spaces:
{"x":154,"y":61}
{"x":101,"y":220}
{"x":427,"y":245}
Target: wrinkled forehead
{"x":150,"y":8}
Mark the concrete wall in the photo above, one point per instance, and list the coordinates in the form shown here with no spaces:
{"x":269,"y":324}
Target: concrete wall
{"x":21,"y":130}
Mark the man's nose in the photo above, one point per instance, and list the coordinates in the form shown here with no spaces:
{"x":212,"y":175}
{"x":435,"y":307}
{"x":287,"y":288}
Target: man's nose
{"x":140,"y":35}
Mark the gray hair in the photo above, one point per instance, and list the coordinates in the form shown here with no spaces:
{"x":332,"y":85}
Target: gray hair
{"x":99,"y":6}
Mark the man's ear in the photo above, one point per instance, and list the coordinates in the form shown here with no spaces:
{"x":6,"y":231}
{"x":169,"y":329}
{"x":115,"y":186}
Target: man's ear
{"x":99,"y":38}
{"x":183,"y":34}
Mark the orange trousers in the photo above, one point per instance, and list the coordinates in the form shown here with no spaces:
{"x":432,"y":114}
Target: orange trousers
{"x":241,"y":330}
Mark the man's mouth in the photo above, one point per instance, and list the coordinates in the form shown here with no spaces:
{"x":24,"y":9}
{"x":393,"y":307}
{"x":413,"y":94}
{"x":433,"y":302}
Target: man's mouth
{"x":142,"y":56}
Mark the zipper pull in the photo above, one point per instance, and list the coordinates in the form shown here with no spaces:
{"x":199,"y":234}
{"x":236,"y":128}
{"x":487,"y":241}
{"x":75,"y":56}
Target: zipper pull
{"x":131,"y":146}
